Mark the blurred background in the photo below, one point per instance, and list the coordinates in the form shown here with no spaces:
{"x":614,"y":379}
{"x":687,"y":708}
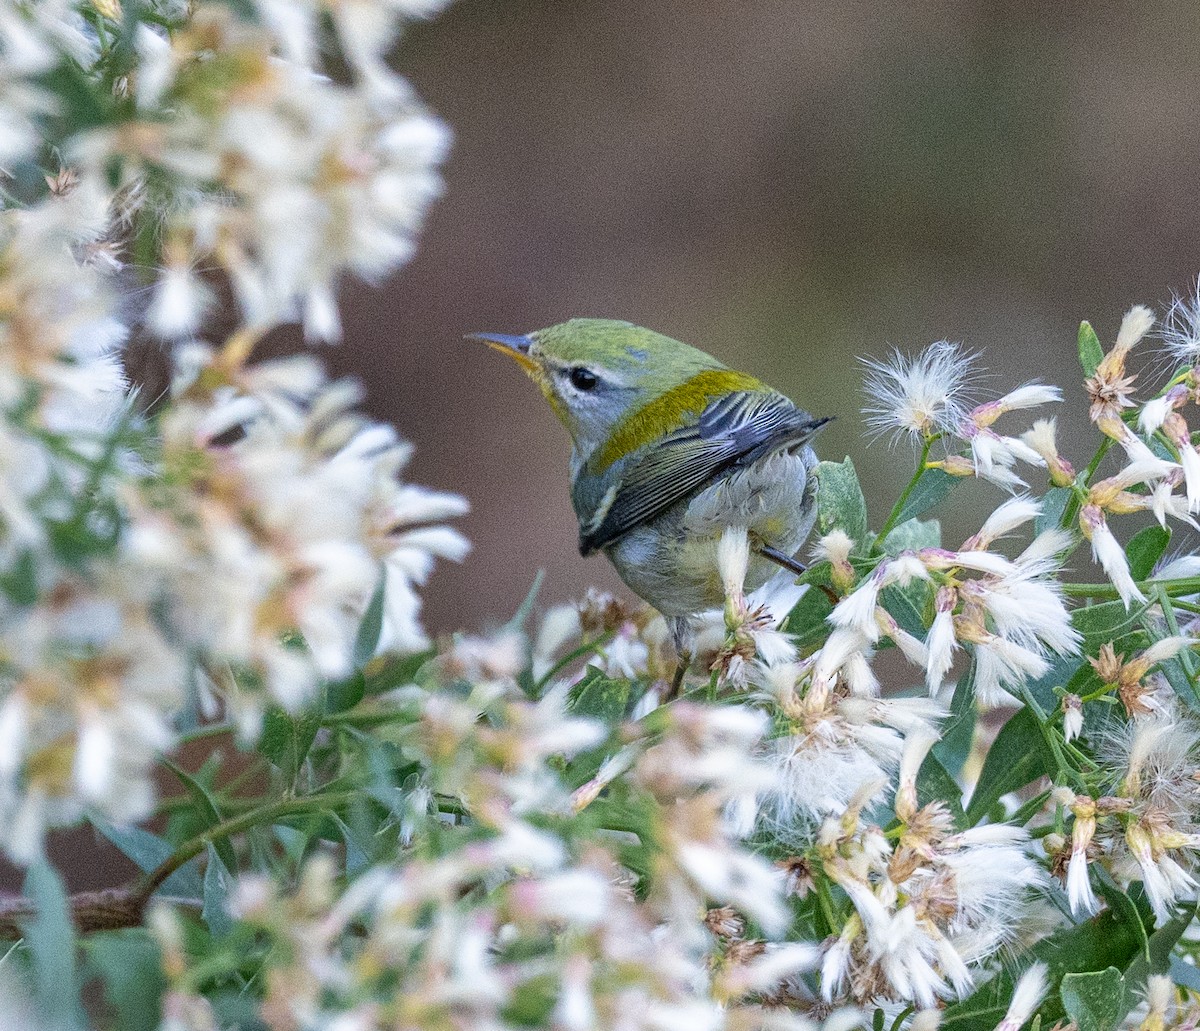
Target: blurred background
{"x":788,"y":185}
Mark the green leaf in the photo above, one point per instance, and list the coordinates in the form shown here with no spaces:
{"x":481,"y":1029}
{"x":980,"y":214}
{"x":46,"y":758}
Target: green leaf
{"x":1103,"y":942}
{"x":1146,"y":548}
{"x":1096,"y":1001}
{"x":357,"y":851}
{"x":148,"y":852}
{"x":807,"y":618}
{"x":370,"y":629}
{"x":1108,"y":621}
{"x":286,"y":740}
{"x":599,"y":697}
{"x":958,"y":732}
{"x":1185,"y":974}
{"x":129,"y":964}
{"x":907,"y":605}
{"x":1176,"y":675}
{"x":932,"y":489}
{"x":1090,"y":351}
{"x":389,"y":672}
{"x":341,"y":695}
{"x":19,"y":581}
{"x":840,"y":501}
{"x":1159,"y":949}
{"x":525,"y":609}
{"x":1054,"y":504}
{"x":50,"y":937}
{"x":217,"y":881}
{"x":1123,"y":907}
{"x":914,"y":534}
{"x":205,"y":807}
{"x":1017,"y":757}
{"x":935,"y":784}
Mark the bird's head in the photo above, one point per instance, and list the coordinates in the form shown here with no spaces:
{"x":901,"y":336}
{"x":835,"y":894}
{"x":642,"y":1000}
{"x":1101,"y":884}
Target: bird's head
{"x":596,"y":372}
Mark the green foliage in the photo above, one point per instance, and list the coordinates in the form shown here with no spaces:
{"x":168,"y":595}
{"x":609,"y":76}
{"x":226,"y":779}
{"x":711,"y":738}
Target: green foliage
{"x":934,"y":487}
{"x":50,"y":939}
{"x":1018,"y":756}
{"x":840,"y":501}
{"x":1096,"y":1001}
{"x":128,"y":964}
{"x":1090,"y":351}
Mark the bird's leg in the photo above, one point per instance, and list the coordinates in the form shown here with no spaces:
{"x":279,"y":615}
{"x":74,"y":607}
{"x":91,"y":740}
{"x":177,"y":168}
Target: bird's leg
{"x":792,"y":566}
{"x":681,"y":633}
{"x":780,"y":559}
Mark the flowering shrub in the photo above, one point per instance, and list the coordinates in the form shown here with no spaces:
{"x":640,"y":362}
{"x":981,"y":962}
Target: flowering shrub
{"x":517,"y":830}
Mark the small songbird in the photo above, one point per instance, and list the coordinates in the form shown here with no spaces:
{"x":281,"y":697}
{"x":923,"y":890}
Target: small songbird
{"x":671,"y":448}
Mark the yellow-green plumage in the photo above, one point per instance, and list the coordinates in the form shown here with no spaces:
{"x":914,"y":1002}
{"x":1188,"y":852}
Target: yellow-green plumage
{"x":674,"y":408}
{"x":670,"y":448}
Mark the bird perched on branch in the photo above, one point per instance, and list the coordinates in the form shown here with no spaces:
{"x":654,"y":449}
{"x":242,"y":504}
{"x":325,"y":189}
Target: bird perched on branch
{"x":671,"y":448}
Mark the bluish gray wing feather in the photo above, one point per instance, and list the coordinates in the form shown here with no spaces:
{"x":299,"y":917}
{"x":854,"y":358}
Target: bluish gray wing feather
{"x":733,"y":430}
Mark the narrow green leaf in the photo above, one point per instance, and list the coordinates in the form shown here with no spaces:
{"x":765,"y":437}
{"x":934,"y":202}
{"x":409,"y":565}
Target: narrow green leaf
{"x":932,"y":489}
{"x":1097,"y":944}
{"x":907,"y":605}
{"x":1017,"y":757}
{"x":1108,"y":621}
{"x":217,"y":882}
{"x":597,"y":696}
{"x":1123,"y":907}
{"x":129,"y":964}
{"x":50,"y":936}
{"x":1096,"y":1001}
{"x":807,"y":618}
{"x":357,"y":852}
{"x":1054,"y":504}
{"x":525,"y":609}
{"x":286,"y":739}
{"x":148,"y":852}
{"x":1159,"y":949}
{"x":341,"y":695}
{"x":370,"y":629}
{"x":840,"y":501}
{"x":1090,"y":351}
{"x":958,"y":732}
{"x":1175,"y":675}
{"x":204,"y":807}
{"x":935,"y":784}
{"x":1146,"y":548}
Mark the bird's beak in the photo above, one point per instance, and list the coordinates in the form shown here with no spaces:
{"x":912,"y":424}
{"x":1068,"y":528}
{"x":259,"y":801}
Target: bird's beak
{"x":516,"y":347}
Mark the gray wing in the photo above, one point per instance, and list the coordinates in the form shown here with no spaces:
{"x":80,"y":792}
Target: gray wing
{"x":734,"y":430}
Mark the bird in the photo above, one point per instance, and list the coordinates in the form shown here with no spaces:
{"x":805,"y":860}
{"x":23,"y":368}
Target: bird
{"x":670,"y":447}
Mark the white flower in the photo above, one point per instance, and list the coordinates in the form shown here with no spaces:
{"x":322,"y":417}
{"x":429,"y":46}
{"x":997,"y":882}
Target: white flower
{"x":1072,"y":707}
{"x":940,"y":643}
{"x":856,"y":611}
{"x":1180,"y":331}
{"x":180,"y":300}
{"x":1013,"y":513}
{"x":1001,"y":664}
{"x":1108,"y":552}
{"x":1030,"y":990}
{"x":1079,"y":887}
{"x":917,"y":396}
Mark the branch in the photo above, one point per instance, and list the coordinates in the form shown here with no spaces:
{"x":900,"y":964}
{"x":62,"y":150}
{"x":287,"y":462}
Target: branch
{"x":114,"y":908}
{"x":107,"y":910}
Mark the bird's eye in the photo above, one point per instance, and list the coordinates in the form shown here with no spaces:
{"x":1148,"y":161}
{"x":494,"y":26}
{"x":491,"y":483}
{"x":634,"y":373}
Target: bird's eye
{"x":583,"y":379}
